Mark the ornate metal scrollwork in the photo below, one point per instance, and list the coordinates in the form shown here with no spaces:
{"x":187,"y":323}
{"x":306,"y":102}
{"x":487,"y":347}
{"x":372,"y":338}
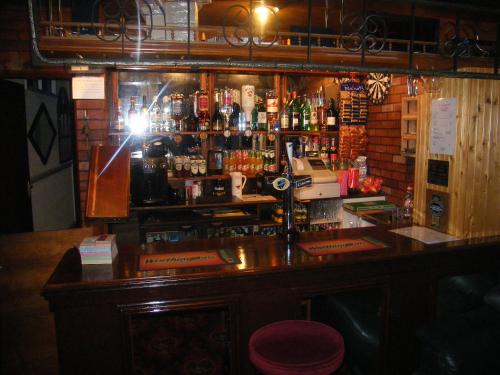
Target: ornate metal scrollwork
{"x":241,"y":26}
{"x":465,"y":44}
{"x":370,"y":32}
{"x":129,"y":19}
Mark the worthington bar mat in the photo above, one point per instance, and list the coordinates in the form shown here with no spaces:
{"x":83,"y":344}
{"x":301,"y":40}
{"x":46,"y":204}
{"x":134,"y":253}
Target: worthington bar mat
{"x":187,"y":259}
{"x":342,"y":245}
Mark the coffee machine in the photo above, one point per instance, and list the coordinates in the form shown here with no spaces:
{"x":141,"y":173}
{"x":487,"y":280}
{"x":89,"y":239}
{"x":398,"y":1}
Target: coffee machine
{"x":148,"y":177}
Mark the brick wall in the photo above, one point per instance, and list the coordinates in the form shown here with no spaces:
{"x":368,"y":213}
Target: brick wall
{"x":384,"y":143}
{"x":15,"y":54}
{"x":97,"y":115}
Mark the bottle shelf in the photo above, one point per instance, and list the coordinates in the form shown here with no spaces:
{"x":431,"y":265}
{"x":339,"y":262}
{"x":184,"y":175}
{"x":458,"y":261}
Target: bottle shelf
{"x":204,"y":178}
{"x":221,"y":133}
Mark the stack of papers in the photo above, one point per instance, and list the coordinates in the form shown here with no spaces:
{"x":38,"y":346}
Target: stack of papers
{"x":98,"y":249}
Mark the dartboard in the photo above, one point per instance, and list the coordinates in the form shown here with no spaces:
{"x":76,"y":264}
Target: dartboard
{"x":377,"y":86}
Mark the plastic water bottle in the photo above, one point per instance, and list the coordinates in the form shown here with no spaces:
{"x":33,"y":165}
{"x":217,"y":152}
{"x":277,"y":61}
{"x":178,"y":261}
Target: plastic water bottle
{"x":408,"y":204}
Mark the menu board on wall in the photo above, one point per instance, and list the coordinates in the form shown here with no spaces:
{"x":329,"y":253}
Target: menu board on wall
{"x":444,"y":126}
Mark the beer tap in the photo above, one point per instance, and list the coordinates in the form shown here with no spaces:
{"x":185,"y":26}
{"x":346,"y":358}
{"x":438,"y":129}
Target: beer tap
{"x":288,"y":198}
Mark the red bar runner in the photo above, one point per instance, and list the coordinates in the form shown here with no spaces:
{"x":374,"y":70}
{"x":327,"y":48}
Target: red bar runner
{"x":342,"y":245}
{"x":200,"y":258}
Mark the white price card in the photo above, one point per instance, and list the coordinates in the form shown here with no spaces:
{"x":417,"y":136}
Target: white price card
{"x":444,"y":126}
{"x":88,"y":87}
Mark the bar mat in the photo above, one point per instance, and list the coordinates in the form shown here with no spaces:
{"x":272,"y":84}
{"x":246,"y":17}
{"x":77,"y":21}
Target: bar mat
{"x":201,"y":258}
{"x":340,"y":246}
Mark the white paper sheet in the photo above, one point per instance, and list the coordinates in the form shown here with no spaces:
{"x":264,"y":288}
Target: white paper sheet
{"x":88,"y":87}
{"x":444,"y":126}
{"x":425,"y":235}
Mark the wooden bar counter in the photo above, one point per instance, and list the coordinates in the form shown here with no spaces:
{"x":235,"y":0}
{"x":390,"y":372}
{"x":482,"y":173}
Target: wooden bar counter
{"x":100,"y":309}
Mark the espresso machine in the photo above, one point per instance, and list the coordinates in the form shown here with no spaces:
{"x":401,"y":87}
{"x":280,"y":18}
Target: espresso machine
{"x":148,"y":177}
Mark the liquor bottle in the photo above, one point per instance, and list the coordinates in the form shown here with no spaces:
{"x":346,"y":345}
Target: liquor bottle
{"x":219,"y":190}
{"x":333,"y":154}
{"x":177,"y":107}
{"x":320,"y":109}
{"x":201,"y":108}
{"x":132,"y":116}
{"x":120,"y":120}
{"x":191,"y":121}
{"x":314,"y":119}
{"x":408,"y":204}
{"x":166,"y":114}
{"x":323,"y":153}
{"x":144,"y":115}
{"x":261,"y":115}
{"x":271,"y":110}
{"x":217,"y":119}
{"x":332,"y":123}
{"x":305,"y":115}
{"x":234,"y":117}
{"x":255,"y":117}
{"x":294,"y":112}
{"x":155,"y":116}
{"x":284,"y":120}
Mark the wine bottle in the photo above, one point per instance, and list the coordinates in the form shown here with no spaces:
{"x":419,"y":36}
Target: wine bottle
{"x":332,"y":117}
{"x":217,"y":119}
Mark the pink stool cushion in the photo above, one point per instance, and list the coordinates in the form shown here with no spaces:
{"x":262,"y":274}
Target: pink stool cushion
{"x":296,"y":347}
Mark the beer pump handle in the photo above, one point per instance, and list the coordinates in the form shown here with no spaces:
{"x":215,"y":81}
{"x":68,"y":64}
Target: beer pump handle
{"x":289,"y":153}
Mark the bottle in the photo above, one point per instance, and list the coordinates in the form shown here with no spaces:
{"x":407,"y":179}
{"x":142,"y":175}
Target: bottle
{"x":408,"y":204}
{"x":271,"y":110}
{"x":166,"y":114}
{"x":255,"y":117}
{"x":305,"y":115}
{"x":261,"y":116}
{"x":132,"y":116}
{"x":234,"y":117}
{"x":217,"y":119}
{"x":332,"y":117}
{"x":219,"y":190}
{"x":320,"y":109}
{"x":314,"y":119}
{"x":191,"y":121}
{"x":323,"y":152}
{"x":284,"y":120}
{"x":155,"y":116}
{"x":333,"y":155}
{"x":120,"y":120}
{"x":201,"y":109}
{"x":177,"y":105}
{"x":144,"y":115}
{"x":294,"y":112}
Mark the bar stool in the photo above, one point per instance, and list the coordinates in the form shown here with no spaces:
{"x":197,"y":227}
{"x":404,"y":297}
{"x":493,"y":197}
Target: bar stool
{"x":296,"y":347}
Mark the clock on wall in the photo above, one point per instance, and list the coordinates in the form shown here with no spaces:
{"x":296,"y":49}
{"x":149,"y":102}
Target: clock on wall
{"x":377,"y":87}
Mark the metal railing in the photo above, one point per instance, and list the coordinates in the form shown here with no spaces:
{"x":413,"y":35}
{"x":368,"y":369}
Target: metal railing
{"x":361,"y":33}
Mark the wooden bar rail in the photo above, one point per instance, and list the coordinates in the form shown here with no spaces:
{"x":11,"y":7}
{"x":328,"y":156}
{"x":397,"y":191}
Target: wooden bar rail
{"x":98,"y":308}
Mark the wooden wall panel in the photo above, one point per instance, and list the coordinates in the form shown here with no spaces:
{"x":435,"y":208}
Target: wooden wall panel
{"x":474,"y":175}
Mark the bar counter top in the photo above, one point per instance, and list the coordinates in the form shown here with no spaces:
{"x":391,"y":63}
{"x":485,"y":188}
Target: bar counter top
{"x":258,"y":255}
{"x":99,"y":309}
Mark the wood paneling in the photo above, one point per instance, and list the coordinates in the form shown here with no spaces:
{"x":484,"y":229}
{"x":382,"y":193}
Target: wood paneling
{"x":108,"y":191}
{"x":474,"y":173}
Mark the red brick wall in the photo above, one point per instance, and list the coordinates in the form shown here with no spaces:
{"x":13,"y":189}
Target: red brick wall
{"x":14,"y":37}
{"x":384,"y":143}
{"x":97,"y":114}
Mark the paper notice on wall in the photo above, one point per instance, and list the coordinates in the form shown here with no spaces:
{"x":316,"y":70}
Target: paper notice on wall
{"x":88,"y":87}
{"x":444,"y":126}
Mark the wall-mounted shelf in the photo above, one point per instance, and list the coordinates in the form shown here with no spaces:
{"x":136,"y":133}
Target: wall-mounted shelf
{"x":409,"y":125}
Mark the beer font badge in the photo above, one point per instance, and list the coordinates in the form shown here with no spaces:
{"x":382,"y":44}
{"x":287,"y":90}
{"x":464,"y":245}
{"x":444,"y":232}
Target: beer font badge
{"x":281,"y":183}
{"x":341,"y":245}
{"x":203,"y":258}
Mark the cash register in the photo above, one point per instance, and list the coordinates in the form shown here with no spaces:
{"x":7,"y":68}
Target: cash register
{"x":324,"y":180}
